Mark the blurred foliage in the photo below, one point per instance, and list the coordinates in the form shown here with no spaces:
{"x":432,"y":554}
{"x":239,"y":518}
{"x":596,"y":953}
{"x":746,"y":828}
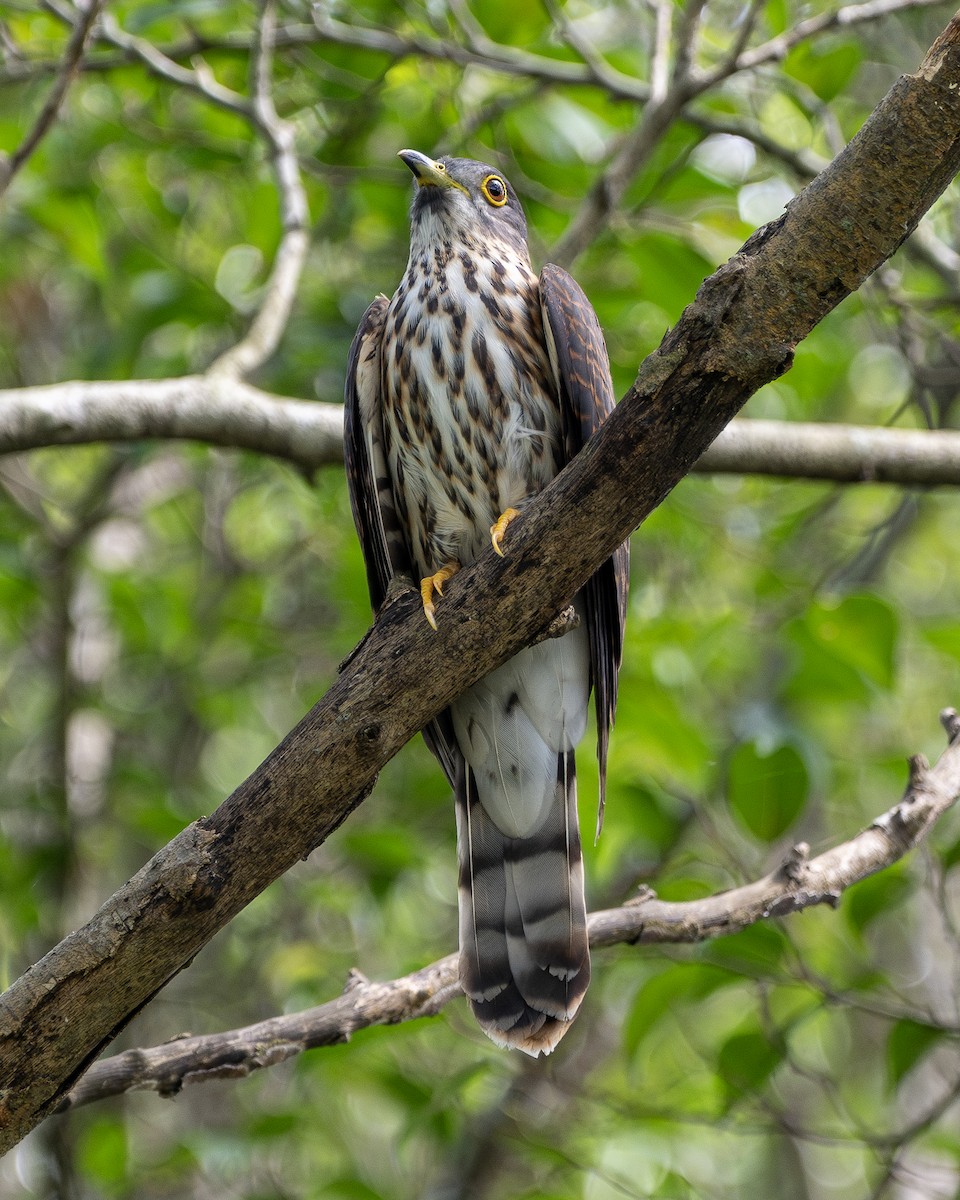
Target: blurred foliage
{"x":168,"y":612}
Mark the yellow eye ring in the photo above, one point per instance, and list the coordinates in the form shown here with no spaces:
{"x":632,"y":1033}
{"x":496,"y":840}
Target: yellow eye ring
{"x":494,"y":191}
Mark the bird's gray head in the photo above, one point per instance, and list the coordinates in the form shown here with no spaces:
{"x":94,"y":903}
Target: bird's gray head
{"x":457,"y":199}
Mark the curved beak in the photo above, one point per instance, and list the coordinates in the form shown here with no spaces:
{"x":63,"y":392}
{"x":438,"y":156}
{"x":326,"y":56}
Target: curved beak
{"x":428,"y":173}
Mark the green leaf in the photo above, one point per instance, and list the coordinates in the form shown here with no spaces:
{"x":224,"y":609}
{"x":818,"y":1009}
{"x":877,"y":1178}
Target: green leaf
{"x":866,"y":900}
{"x":668,"y":990}
{"x":907,"y":1044}
{"x":746,"y":1061}
{"x":760,"y":947}
{"x":863,"y":632}
{"x":767,"y":791}
{"x":945,"y":637}
{"x":102,"y":1152}
{"x":826,"y":71}
{"x":847,"y":649}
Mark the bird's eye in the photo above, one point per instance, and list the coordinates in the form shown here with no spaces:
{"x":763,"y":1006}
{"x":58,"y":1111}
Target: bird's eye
{"x":495,"y":190}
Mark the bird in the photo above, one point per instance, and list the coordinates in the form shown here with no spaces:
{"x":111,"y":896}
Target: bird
{"x":466,"y":392}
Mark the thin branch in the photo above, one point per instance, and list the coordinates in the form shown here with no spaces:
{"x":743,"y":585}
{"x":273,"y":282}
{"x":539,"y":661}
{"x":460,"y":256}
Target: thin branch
{"x":608,"y":190}
{"x":492,"y":56}
{"x":660,"y":59}
{"x":601,"y":72}
{"x":204,"y":408}
{"x":65,"y":74}
{"x":486,"y":53}
{"x":841,"y":453}
{"x":234,"y":415}
{"x":268,"y":326}
{"x":803,"y":162}
{"x":688,"y":82}
{"x":798,"y":883}
{"x":688,"y":38}
{"x":199,"y":80}
{"x":779,"y":47}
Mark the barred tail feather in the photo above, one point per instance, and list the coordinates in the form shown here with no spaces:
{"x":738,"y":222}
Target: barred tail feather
{"x":524,"y":955}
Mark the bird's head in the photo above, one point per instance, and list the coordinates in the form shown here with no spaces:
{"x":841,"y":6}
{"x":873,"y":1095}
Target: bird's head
{"x":459,"y":200}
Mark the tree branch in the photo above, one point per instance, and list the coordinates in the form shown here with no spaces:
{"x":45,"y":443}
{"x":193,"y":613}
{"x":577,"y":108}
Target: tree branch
{"x":279,"y":295}
{"x":739,"y":333}
{"x":841,"y":453}
{"x":797,"y":883}
{"x":267,"y":328}
{"x":849,"y":15}
{"x":687,"y":83}
{"x":199,"y":80}
{"x":65,"y":74}
{"x":203,"y":408}
{"x":309,"y":435}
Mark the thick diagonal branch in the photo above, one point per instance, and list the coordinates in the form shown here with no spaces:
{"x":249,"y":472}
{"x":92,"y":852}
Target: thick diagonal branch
{"x":738,"y":334}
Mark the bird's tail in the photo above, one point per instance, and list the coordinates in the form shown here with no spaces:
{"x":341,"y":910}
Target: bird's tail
{"x":524,"y":954}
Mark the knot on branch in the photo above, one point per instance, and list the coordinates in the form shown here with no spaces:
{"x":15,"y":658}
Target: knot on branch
{"x":355,"y":979}
{"x":793,"y":867}
{"x":643,"y":896}
{"x":562,"y":623}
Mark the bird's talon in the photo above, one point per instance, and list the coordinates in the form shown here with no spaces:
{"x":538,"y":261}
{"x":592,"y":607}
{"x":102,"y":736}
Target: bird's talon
{"x":499,"y":527}
{"x":434,"y":583}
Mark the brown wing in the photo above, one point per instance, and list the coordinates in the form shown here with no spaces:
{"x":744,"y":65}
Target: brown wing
{"x":582,"y":370}
{"x":382,"y":537}
{"x":363,"y":453}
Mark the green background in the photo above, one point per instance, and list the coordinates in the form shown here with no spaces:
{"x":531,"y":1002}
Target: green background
{"x":169,"y":611}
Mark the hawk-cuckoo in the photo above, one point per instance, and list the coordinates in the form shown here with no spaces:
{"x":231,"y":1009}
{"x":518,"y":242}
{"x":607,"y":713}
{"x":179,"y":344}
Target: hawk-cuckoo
{"x":466,"y":393}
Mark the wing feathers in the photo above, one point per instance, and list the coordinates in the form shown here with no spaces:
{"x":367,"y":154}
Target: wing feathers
{"x":581,"y":368}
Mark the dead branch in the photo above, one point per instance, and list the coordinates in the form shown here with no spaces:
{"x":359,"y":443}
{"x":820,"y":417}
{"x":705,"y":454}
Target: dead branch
{"x":797,"y":883}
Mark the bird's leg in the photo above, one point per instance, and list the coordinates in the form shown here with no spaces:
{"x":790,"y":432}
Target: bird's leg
{"x":499,"y":527}
{"x":434,"y":583}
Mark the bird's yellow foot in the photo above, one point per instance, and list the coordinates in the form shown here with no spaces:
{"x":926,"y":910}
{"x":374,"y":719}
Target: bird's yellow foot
{"x":499,"y":527}
{"x":434,"y":583}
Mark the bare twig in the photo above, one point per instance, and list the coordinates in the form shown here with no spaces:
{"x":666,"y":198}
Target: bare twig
{"x":689,"y":81}
{"x":601,"y":71}
{"x":268,"y":326}
{"x":490,"y":55}
{"x":610,"y":187}
{"x":212,"y":409}
{"x":65,"y":74}
{"x":199,"y":80}
{"x":660,"y":59}
{"x":688,"y":36}
{"x":779,"y":47}
{"x":796,"y":884}
{"x":484,"y":52}
{"x":802,"y":162}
